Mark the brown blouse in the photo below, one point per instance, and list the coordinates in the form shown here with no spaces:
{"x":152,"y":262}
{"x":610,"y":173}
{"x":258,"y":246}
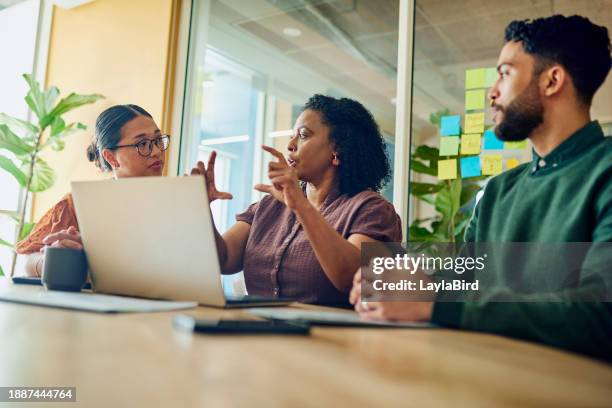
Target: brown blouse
{"x":279,"y":260}
{"x":60,"y":217}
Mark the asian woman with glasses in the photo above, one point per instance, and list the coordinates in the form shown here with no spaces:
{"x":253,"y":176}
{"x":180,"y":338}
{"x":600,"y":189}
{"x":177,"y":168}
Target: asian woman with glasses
{"x":127,"y":143}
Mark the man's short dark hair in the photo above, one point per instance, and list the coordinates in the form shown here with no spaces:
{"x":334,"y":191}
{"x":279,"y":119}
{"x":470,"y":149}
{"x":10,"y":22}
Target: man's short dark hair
{"x":574,"y":42}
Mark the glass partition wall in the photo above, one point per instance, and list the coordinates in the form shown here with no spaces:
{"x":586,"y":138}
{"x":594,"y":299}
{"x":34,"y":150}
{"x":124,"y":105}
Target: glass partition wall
{"x":456,"y":44}
{"x":253,"y":64}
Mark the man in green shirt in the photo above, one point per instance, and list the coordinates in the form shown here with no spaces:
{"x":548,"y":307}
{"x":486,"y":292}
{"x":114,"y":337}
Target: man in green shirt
{"x":549,"y":69}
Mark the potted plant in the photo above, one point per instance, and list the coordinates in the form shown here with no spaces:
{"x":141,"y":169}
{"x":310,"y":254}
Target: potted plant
{"x":450,"y":198}
{"x":21,"y":143}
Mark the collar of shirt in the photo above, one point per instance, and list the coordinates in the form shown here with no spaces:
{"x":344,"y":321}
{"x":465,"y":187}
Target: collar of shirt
{"x":584,"y":138}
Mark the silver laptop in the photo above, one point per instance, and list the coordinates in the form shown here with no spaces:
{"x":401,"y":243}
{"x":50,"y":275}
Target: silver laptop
{"x":153,"y":237}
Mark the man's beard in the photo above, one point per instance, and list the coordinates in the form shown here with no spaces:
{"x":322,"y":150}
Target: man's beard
{"x":522,"y":116}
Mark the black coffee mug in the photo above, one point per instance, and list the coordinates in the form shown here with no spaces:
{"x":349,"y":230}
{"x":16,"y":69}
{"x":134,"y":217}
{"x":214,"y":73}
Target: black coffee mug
{"x":64,"y":269}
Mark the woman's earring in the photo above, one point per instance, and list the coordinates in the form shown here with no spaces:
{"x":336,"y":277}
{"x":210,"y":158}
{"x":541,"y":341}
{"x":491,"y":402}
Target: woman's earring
{"x":335,"y":160}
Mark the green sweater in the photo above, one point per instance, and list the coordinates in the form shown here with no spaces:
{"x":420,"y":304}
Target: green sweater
{"x":563,"y":197}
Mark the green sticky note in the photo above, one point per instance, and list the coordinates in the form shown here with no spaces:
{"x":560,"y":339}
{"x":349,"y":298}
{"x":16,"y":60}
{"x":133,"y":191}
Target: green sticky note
{"x":449,"y":146}
{"x":516,"y":145}
{"x":475,"y":99}
{"x":490,"y":77}
{"x":475,"y":78}
{"x":447,"y":169}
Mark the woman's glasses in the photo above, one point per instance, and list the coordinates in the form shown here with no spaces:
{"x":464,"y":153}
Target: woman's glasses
{"x":145,"y":146}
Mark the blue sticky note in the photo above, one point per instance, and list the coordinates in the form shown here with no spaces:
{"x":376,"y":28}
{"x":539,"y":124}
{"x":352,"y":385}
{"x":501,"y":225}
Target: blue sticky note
{"x":491,"y":142}
{"x":470,"y":166}
{"x":450,"y":125}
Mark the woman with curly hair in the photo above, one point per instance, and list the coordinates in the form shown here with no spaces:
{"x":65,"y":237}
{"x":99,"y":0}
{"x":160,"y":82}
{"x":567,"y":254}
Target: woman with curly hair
{"x":303,"y":239}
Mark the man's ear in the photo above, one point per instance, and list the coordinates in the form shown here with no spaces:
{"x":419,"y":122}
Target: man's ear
{"x":109,"y":156}
{"x":554,"y":79}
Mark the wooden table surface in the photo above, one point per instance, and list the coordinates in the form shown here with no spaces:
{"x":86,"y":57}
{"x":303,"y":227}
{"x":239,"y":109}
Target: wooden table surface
{"x":118,"y":360}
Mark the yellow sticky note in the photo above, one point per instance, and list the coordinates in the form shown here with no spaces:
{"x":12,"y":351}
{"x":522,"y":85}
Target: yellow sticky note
{"x":491,"y":164}
{"x":474,"y":122}
{"x":475,"y":78}
{"x":447,"y":169}
{"x":475,"y":99}
{"x":470,"y":144}
{"x":515,"y":145}
{"x":512,"y":163}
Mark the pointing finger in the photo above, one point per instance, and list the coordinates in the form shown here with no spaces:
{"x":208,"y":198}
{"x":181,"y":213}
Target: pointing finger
{"x":275,"y":153}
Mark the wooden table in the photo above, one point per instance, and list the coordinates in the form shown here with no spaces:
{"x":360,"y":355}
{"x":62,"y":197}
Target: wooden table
{"x":141,"y":360}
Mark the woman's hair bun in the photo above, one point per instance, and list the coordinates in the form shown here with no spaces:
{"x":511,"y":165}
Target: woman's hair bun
{"x":93,"y":155}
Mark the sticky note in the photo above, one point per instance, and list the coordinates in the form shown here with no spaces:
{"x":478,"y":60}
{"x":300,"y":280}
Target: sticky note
{"x":474,"y":123}
{"x":475,"y":99}
{"x":491,"y":142}
{"x":470,"y":144}
{"x":491,"y":164}
{"x":450,"y":125}
{"x":516,"y":145}
{"x":470,"y":167}
{"x":475,"y":78}
{"x":447,"y":169}
{"x":512,"y":163}
{"x":449,"y":146}
{"x":490,"y":77}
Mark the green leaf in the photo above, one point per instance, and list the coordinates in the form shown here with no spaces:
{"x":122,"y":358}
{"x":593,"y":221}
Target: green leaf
{"x":456,"y":186}
{"x":444,"y":203}
{"x":35,"y":98}
{"x":462,"y":223}
{"x":18,"y":126}
{"x":435,"y":118}
{"x":1,"y":271}
{"x":420,"y":167}
{"x":9,"y":166}
{"x":420,"y":189}
{"x":56,"y":141}
{"x":57,"y":126}
{"x":447,"y":199}
{"x":50,"y":97}
{"x":67,"y":104}
{"x":43,"y":177}
{"x":13,"y":143}
{"x":58,"y":145}
{"x":6,"y":243}
{"x":429,"y":199}
{"x":416,"y":233}
{"x":26,"y":230}
{"x":468,"y":192}
{"x":425,"y":152}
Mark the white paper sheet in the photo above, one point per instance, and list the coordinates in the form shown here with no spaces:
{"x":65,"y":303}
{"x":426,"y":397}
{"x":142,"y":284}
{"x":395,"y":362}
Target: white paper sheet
{"x":92,"y":302}
{"x":328,"y":318}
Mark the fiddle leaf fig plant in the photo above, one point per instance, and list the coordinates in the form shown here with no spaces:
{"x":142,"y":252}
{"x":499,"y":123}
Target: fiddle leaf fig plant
{"x":21,"y":143}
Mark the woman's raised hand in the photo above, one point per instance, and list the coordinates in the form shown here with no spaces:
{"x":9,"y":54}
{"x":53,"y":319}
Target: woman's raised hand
{"x":209,"y":179}
{"x":285,"y":183}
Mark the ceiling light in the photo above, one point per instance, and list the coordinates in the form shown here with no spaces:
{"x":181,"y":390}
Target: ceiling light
{"x":292,"y":32}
